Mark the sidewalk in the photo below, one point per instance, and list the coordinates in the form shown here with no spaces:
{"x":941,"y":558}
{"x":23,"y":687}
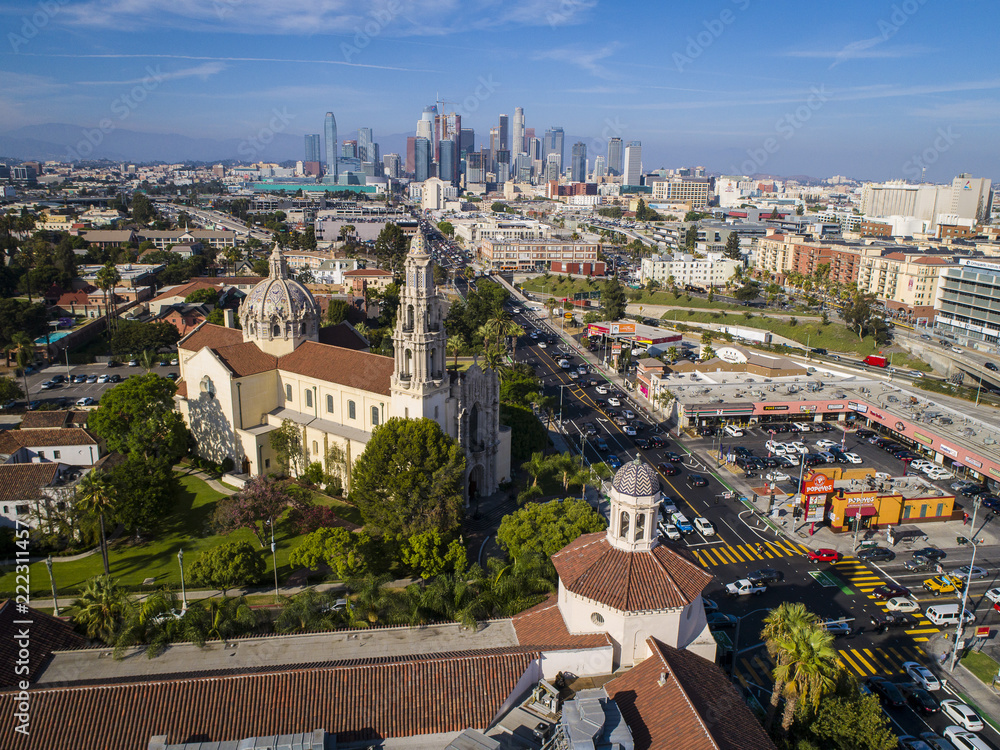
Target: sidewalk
{"x":983,"y":698}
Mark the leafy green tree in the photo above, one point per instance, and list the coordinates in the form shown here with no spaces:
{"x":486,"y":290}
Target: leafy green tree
{"x":20,"y":321}
{"x":216,"y":619}
{"x":138,"y":417}
{"x":498,"y":207}
{"x":861,"y":316}
{"x":854,"y":722}
{"x":133,"y":336}
{"x":409,"y":479}
{"x":206,"y":296}
{"x":691,"y":238}
{"x":256,"y":507}
{"x":545,"y":528}
{"x":286,"y":442}
{"x":447,"y":228}
{"x":9,"y":390}
{"x":347,"y":554}
{"x":337,"y":311}
{"x":101,"y":609}
{"x":391,"y":247}
{"x":428,"y":555}
{"x":613,"y":299}
{"x":748,"y":292}
{"x":142,"y":209}
{"x":155,"y":622}
{"x":229,"y":565}
{"x":144,"y":490}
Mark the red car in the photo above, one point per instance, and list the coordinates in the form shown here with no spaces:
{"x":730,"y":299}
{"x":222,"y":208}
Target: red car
{"x":824,"y":555}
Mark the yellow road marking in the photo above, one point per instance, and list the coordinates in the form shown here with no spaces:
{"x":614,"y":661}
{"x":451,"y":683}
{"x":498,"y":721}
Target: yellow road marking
{"x":847,"y":656}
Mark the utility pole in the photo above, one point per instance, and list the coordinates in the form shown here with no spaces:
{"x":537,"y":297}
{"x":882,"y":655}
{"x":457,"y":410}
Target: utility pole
{"x":965,"y":589}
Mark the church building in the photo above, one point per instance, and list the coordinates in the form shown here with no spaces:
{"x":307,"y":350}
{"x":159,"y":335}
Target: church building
{"x":236,"y":386}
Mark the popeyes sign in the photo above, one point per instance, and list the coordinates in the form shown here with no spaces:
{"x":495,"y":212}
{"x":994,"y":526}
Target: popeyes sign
{"x":817,"y":484}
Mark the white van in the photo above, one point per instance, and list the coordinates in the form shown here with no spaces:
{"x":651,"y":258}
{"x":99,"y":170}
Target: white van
{"x":733,"y":431}
{"x":704,"y":526}
{"x":947,"y":614}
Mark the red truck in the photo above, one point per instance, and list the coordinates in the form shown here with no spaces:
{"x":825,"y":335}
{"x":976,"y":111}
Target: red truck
{"x":876,"y":361}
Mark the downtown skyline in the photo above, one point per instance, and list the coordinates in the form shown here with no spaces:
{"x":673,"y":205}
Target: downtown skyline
{"x":877,"y":92}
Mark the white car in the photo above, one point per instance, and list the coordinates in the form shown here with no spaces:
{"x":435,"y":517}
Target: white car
{"x":922,"y":465}
{"x":103,"y":378}
{"x":798,"y":447}
{"x":704,"y":526}
{"x":962,"y":739}
{"x":825,"y":444}
{"x":85,"y":401}
{"x":922,"y":676}
{"x":670,"y":531}
{"x":628,"y":414}
{"x":852,"y":458}
{"x":614,"y":402}
{"x":789,"y":460}
{"x":776,"y":476}
{"x":542,"y":345}
{"x":962,"y":715}
{"x":882,"y":476}
{"x":803,"y":426}
{"x":902,"y":604}
{"x":938,"y":474}
{"x":993,"y":595}
{"x":603,"y":390}
{"x":629,"y":430}
{"x":775,"y":447}
{"x":574,"y":375}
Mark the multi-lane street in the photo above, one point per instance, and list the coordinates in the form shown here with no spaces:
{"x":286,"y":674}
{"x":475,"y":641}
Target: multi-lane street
{"x":744,"y":541}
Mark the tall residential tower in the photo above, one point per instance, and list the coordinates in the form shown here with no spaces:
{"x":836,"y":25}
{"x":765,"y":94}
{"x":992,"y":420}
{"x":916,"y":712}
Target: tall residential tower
{"x":330,"y":133}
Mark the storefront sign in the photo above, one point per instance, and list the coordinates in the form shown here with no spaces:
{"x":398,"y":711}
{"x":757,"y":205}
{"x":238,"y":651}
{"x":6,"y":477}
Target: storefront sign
{"x":807,"y":408}
{"x":859,"y":408}
{"x":775,"y":407}
{"x":877,"y":416}
{"x":831,"y":407}
{"x":622,"y":328}
{"x":947,"y":450}
{"x":994,"y":472}
{"x":899,"y":427}
{"x":973,"y":462}
{"x":923,"y":438}
{"x":866,"y":499}
{"x":817,"y":484}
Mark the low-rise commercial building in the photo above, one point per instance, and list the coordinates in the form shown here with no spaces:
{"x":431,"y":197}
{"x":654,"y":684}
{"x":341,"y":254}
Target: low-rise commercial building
{"x":535,"y":255}
{"x":967,"y":302}
{"x":687,"y":270}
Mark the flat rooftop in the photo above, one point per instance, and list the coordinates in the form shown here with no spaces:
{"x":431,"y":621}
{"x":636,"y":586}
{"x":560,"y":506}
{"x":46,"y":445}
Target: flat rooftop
{"x":273,"y":652}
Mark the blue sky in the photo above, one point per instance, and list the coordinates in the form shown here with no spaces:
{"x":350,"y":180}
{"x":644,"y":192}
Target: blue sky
{"x":864,"y":88}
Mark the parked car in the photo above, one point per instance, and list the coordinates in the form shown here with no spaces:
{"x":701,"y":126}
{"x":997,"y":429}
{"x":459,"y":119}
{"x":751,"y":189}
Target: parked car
{"x":721,"y":620}
{"x":887,"y":692}
{"x":837,"y":628}
{"x":963,"y":739}
{"x":669,"y":531}
{"x":85,"y":401}
{"x":612,"y":401}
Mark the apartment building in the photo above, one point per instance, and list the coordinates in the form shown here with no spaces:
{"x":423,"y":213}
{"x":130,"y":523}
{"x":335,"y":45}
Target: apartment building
{"x":472,"y":232}
{"x":692,"y":191}
{"x":904,"y":282}
{"x":774,"y":254}
{"x":685,"y":269}
{"x":535,"y":254}
{"x":843,"y":260}
{"x":967,"y":302}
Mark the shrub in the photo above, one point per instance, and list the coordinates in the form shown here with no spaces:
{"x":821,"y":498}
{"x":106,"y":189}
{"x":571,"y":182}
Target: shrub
{"x":227,"y":464}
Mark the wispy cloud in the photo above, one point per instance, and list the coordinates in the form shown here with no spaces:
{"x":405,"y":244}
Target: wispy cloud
{"x":584,"y":58}
{"x":863,"y":49}
{"x":115,"y":55}
{"x":203,"y":71}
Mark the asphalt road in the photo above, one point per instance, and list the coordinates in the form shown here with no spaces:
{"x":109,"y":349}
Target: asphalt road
{"x":836,"y":591}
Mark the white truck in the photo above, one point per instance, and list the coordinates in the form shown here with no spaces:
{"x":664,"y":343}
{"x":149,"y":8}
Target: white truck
{"x":745,"y":586}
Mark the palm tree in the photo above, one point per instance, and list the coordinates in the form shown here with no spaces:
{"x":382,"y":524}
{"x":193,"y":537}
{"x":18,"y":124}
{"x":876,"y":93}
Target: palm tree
{"x":154,"y":621}
{"x":456,"y":596}
{"x":148,"y":359}
{"x":107,"y":279}
{"x":509,"y":588}
{"x":310,"y":610}
{"x":96,"y":495}
{"x":23,"y":349}
{"x":454,"y":346}
{"x":102,"y":608}
{"x":371,"y":601}
{"x":501,"y":326}
{"x":219,"y":619}
{"x":536,"y":466}
{"x":808,"y":669}
{"x":779,"y":624}
{"x":672,"y":353}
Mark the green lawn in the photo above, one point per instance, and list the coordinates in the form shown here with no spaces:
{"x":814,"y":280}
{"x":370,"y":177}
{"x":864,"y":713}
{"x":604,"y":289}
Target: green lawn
{"x":981,"y":665}
{"x":833,"y":336}
{"x":186,"y":527}
{"x":566,"y":287}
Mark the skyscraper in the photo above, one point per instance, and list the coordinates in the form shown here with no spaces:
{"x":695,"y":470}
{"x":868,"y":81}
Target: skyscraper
{"x":330,"y":131}
{"x":391,"y":164}
{"x":474,"y":168}
{"x":312,"y":148}
{"x":553,"y":144}
{"x":517,"y":147}
{"x":349,"y":149}
{"x":552,"y":167}
{"x":448,"y":160}
{"x":632,"y":174}
{"x":365,"y":141}
{"x":615,"y":156}
{"x":578,"y":164}
{"x":422,"y":159}
{"x":468,"y":141}
{"x":599,"y":167}
{"x":446,"y":126}
{"x":504,"y":132}
{"x":534,"y":146}
{"x":495,"y":144}
{"x":411,"y":151}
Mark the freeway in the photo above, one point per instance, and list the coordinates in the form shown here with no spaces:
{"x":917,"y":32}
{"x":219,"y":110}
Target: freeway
{"x":746,"y":541}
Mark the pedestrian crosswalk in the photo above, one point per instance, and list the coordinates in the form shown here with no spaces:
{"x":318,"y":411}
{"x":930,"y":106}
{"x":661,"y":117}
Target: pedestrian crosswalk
{"x":857,"y":575}
{"x":757,"y":668}
{"x":731,"y":554}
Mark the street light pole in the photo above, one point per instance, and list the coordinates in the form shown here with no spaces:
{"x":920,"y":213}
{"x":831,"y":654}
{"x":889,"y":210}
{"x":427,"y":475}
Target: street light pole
{"x":52,"y":581}
{"x":965,"y":589}
{"x":180,"y":561}
{"x":736,"y":637}
{"x":561,"y":387}
{"x":274,"y":560}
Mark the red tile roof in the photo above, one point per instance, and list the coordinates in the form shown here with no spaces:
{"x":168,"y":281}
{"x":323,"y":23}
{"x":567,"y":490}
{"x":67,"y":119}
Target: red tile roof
{"x":246,"y":359}
{"x":182,"y":388}
{"x":629,"y":581}
{"x":34,"y":420}
{"x":73,"y":298}
{"x":185,"y":289}
{"x":361,"y":370}
{"x":342,"y":335}
{"x":25,"y":481}
{"x":44,"y":438}
{"x":212,"y":336}
{"x":392,"y":698}
{"x":695,"y":708}
{"x":543,"y":627}
{"x":47,"y":634}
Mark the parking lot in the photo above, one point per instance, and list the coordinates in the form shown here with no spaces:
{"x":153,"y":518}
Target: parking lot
{"x":67,"y":393}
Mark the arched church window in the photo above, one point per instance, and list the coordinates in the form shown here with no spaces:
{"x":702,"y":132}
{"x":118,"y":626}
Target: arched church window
{"x":409,"y":317}
{"x":474,"y":425}
{"x":329,"y":404}
{"x":407,"y":362}
{"x":351,"y":410}
{"x":374,"y":416}
{"x":288,"y":393}
{"x":309,"y":398}
{"x":640,"y":526}
{"x":623,"y":525}
{"x":276,"y":331}
{"x":303,"y":328}
{"x":431,"y":362}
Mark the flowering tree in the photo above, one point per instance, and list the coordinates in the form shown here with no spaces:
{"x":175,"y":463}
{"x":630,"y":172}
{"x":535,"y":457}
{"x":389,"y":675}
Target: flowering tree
{"x":258,"y":504}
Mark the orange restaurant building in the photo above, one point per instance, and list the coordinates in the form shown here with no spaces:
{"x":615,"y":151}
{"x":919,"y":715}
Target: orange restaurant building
{"x":842,"y":500}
